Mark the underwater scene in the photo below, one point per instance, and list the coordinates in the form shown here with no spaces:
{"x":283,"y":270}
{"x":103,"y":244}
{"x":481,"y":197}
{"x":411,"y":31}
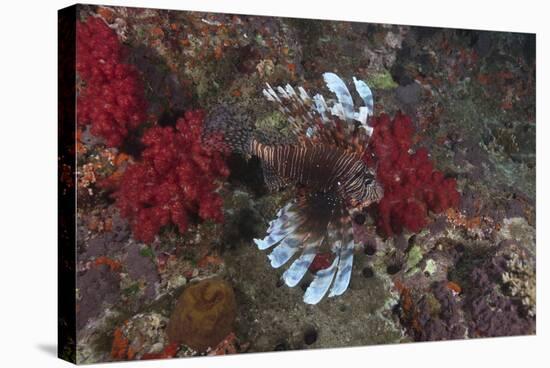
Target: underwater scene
{"x":252,"y":184}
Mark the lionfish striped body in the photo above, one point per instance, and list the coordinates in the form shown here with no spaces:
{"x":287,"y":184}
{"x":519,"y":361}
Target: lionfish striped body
{"x":324,"y":163}
{"x":321,"y":167}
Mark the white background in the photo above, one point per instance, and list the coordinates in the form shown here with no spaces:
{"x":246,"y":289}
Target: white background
{"x":28,"y":146}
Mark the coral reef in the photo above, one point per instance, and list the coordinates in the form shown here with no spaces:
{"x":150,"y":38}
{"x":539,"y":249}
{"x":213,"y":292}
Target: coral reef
{"x":229,"y":345}
{"x":142,"y":337}
{"x":519,"y":282}
{"x":492,"y":311}
{"x":436,"y":315}
{"x":112,"y":98}
{"x":112,"y":239}
{"x":97,"y":166}
{"x":411,"y":185}
{"x":175,"y":179}
{"x":466,"y":96}
{"x":203,"y":315}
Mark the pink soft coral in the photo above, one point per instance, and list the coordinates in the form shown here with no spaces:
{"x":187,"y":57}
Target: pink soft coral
{"x":112,"y":98}
{"x":175,"y":179}
{"x":411,"y":185}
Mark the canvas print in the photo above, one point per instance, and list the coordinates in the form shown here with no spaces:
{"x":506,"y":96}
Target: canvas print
{"x":236,"y":183}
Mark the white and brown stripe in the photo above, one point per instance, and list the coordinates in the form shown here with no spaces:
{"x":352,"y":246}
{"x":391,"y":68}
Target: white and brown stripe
{"x":320,"y":167}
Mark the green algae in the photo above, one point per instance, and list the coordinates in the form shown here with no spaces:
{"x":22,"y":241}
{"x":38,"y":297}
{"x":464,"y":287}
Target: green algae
{"x":147,"y":252}
{"x":431,"y":267}
{"x":413,"y":257}
{"x":383,"y":80}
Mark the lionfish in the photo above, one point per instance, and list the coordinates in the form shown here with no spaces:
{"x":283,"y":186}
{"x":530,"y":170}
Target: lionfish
{"x":323,"y":160}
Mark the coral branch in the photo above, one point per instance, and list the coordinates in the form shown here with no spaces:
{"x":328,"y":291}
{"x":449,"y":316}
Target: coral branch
{"x":112,"y":99}
{"x":175,"y":180}
{"x":411,"y":185}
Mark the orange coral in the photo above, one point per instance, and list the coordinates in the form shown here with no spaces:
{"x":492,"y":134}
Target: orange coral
{"x":157,"y":32}
{"x":204,"y":315}
{"x":407,"y":304}
{"x":107,"y":14}
{"x":113,"y":264}
{"x":454,"y":287}
{"x":458,"y":219}
{"x":208,"y":260}
{"x":169,"y":351}
{"x":227,"y":346}
{"x":119,"y":349}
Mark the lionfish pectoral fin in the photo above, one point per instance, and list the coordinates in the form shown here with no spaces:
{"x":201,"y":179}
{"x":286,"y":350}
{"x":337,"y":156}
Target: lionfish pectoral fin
{"x":285,"y":250}
{"x":294,"y":274}
{"x":286,"y":222}
{"x":321,"y":282}
{"x":273,"y":238}
{"x":343,"y":276}
{"x":280,"y":218}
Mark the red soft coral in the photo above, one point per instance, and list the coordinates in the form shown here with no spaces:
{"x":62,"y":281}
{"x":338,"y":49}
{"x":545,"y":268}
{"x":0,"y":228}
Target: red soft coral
{"x":411,"y":185}
{"x":175,"y":179}
{"x":112,"y":99}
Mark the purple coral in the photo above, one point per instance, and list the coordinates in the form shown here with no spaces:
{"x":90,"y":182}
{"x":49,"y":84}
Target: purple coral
{"x":492,"y":313}
{"x":442,"y":321}
{"x":107,"y":243}
{"x":495,"y":315}
{"x":97,"y":286}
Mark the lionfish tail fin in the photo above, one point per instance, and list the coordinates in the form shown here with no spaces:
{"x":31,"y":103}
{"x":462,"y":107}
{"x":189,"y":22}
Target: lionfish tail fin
{"x":294,"y":243}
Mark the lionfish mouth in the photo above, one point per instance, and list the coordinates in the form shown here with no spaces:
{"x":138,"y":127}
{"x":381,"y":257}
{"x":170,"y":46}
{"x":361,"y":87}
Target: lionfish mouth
{"x":375,"y":195}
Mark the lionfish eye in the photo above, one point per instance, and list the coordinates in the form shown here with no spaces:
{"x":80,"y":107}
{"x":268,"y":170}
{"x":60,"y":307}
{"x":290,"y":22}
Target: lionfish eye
{"x":369,"y":178}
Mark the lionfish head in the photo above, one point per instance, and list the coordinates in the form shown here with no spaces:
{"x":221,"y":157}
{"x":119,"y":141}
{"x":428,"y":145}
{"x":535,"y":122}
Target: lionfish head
{"x":370,"y":192}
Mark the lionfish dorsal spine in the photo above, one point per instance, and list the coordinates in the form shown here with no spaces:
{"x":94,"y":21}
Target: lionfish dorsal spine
{"x":366,"y":94}
{"x":304,"y":113}
{"x":344,"y":108}
{"x":321,"y":107}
